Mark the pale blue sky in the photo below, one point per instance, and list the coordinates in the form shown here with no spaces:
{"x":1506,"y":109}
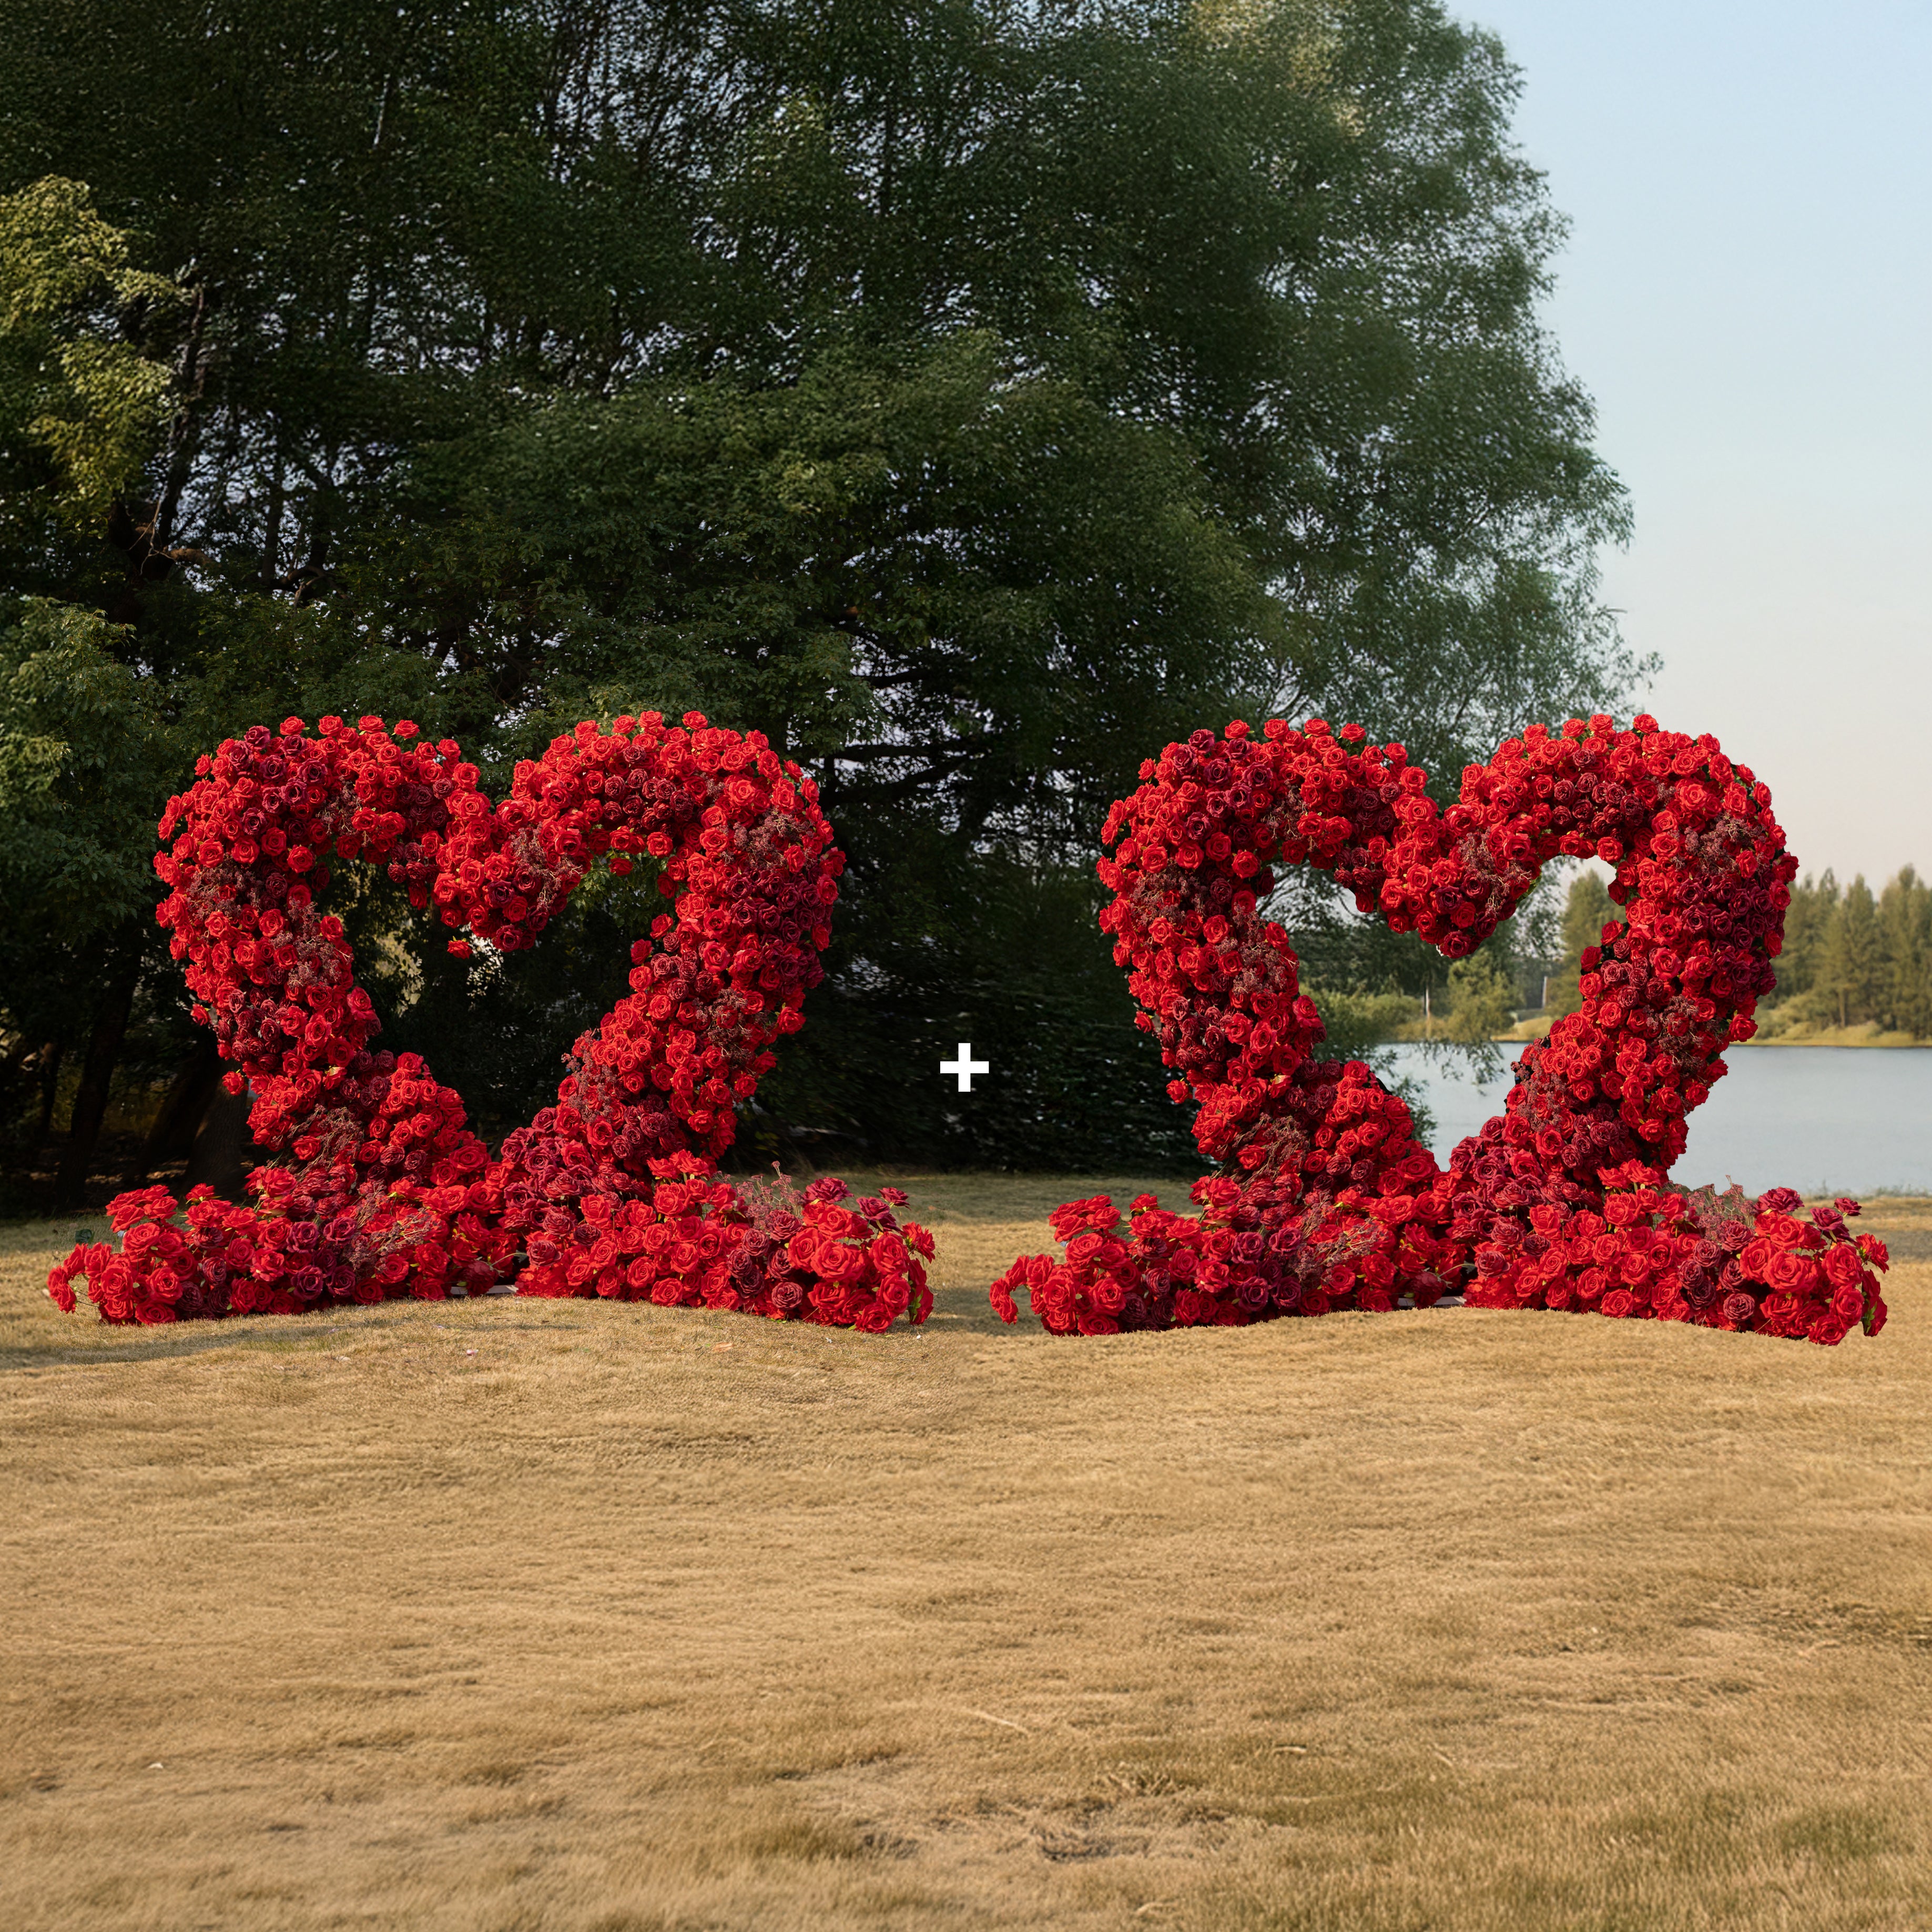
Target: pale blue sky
{"x":1746,"y":292}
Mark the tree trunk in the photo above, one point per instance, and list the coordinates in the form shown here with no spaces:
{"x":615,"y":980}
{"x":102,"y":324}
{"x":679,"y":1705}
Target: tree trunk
{"x":220,"y":1157}
{"x":90,"y":1102}
{"x":195,"y":1085}
{"x":12,"y":1066}
{"x":185,"y":432}
{"x":52,"y":1055}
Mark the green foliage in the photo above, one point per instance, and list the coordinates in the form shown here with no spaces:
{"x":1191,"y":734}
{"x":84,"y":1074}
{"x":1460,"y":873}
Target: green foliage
{"x":1808,"y":921}
{"x":81,"y":405}
{"x":1357,"y":1022}
{"x":1851,"y":964}
{"x":1851,"y":960}
{"x":756,"y":552}
{"x":83,"y":748}
{"x":1905,"y":948}
{"x":1030,"y":983}
{"x":1479,"y":1007}
{"x":970,"y":397}
{"x":1589,"y":912}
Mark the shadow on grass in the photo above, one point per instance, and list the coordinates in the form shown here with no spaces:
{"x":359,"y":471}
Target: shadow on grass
{"x":980,"y":1223}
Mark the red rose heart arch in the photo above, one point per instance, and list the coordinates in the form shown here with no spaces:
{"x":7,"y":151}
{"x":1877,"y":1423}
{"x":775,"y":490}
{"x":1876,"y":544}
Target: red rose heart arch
{"x":1561,"y":1201}
{"x":612,"y":1191}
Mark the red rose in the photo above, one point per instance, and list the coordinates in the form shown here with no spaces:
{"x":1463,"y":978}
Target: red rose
{"x":1842,"y":1266}
{"x":1793,"y":1273}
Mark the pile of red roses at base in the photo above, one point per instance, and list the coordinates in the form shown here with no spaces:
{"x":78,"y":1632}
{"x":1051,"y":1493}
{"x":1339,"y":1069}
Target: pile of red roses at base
{"x":1255,"y":1251}
{"x":1719,"y":1261}
{"x":697,"y":1241}
{"x":386,"y":1191}
{"x":1652,"y":1252}
{"x":700,"y":1242}
{"x":1562,"y":1201}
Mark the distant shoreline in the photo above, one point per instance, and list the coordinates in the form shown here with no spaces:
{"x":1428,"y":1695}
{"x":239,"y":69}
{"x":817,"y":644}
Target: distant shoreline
{"x":1861,"y":1037}
{"x":1889,"y":1043}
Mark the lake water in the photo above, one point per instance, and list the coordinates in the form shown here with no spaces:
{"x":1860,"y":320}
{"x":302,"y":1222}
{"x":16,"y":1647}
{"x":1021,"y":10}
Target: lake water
{"x":1826,"y":1120}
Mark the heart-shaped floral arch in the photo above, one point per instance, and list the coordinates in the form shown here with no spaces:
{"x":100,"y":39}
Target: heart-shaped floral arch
{"x":1562,"y":1201}
{"x":1326,"y":1201}
{"x":611,"y":1191}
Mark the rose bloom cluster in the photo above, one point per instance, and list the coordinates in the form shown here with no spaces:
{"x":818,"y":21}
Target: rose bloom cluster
{"x":698,"y":1241}
{"x":1261,"y":1247}
{"x":386,"y":1191}
{"x":1563,"y":1200}
{"x":1723,"y":1260}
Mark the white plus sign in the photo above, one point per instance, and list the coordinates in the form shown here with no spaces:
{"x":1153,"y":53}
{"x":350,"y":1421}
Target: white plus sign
{"x":965,"y":1066}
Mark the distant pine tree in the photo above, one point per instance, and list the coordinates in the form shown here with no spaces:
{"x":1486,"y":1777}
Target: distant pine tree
{"x":1905,"y":938}
{"x":1852,"y":967}
{"x":1479,"y":1007}
{"x":1587,"y":911}
{"x":1813,"y":907}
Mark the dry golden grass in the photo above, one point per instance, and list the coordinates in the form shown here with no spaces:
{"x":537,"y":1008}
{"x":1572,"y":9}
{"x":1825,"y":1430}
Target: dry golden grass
{"x":502,"y":1614}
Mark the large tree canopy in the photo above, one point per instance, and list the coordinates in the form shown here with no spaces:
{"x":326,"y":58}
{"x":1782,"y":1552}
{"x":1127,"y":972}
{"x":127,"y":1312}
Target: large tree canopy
{"x":971,"y":396}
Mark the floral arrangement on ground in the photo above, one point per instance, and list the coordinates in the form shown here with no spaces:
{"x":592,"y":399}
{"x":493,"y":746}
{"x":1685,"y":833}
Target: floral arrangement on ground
{"x":614,"y":1192}
{"x":1324,"y":1200}
{"x":1561,"y":1201}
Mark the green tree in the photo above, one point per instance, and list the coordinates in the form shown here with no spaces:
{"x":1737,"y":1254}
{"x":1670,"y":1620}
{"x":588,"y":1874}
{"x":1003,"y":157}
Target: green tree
{"x":1905,"y":940}
{"x":1808,"y":919}
{"x":1479,"y":1005}
{"x":971,"y":397}
{"x":1588,"y":911}
{"x":82,"y":402}
{"x":83,"y":749}
{"x":1851,"y":963}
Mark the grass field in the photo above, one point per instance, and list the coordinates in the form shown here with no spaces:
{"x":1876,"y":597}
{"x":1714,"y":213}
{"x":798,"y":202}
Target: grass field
{"x":506,"y":1615}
